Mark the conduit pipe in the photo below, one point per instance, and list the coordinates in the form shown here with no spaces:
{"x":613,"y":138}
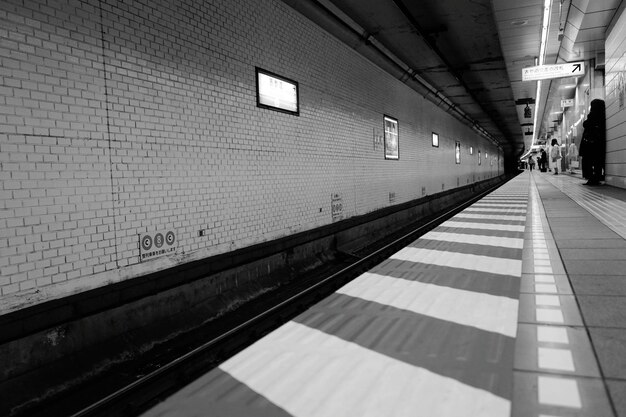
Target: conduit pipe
{"x":353,"y":35}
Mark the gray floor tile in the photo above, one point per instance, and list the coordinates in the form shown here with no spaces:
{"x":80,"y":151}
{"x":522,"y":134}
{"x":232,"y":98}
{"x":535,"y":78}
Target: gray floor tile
{"x":592,"y":267}
{"x":577,"y":242}
{"x":594,"y":253}
{"x":603,"y":311}
{"x":599,"y":285}
{"x":610,"y":346}
{"x":586,"y":232}
{"x":617,"y":390}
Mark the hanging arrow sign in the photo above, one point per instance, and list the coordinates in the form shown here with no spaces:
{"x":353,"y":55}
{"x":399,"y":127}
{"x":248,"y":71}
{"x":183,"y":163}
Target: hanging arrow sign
{"x":545,"y":72}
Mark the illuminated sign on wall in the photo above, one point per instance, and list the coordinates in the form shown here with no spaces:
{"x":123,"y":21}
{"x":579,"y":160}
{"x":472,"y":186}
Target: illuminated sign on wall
{"x":276,"y":92}
{"x":546,"y":72}
{"x":391,"y":138}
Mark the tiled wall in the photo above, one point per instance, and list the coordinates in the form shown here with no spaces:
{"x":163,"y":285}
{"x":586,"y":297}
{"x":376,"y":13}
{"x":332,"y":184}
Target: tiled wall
{"x":127,"y":120}
{"x":56,"y":220}
{"x":616,"y":103}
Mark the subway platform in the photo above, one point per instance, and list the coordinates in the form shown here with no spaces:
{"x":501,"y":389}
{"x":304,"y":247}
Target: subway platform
{"x":515,"y":306}
{"x":573,"y":300}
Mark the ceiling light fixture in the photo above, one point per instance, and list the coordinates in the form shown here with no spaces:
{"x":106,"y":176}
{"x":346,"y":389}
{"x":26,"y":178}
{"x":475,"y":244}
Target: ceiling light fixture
{"x":547,"y":7}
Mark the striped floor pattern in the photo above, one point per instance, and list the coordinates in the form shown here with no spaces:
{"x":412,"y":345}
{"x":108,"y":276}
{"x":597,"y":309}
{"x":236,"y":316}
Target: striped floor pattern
{"x":428,"y":332}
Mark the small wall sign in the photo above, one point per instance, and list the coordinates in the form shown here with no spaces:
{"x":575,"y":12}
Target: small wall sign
{"x":336,"y":207}
{"x":154,"y":245}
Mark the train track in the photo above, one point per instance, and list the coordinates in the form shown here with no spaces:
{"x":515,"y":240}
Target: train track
{"x":151,"y":388}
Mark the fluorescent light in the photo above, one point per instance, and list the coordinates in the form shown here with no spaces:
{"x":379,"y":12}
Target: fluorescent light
{"x":547,"y":7}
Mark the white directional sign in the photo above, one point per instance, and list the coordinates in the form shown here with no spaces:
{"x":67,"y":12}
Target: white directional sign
{"x":569,"y":102}
{"x":545,"y":72}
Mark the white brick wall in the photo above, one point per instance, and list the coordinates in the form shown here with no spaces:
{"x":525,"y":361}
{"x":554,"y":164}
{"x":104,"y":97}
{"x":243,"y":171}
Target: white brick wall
{"x":122,"y":118}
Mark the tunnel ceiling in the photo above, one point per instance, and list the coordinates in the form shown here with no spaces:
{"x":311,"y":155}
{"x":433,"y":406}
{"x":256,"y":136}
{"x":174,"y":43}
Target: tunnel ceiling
{"x":454,"y":46}
{"x":473,"y":51}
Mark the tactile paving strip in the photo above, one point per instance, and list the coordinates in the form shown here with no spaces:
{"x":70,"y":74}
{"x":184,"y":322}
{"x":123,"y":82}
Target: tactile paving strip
{"x":556,"y":371}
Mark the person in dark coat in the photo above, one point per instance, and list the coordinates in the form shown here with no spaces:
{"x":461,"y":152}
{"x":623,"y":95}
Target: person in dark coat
{"x":543,"y":160}
{"x":593,"y":143}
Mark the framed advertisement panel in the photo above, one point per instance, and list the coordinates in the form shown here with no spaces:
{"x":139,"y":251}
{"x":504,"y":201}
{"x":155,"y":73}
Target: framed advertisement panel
{"x":391,"y":138}
{"x":457,"y":152}
{"x":276,"y":92}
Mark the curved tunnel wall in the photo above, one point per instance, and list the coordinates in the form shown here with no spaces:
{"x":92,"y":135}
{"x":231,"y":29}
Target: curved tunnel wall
{"x":122,"y":120}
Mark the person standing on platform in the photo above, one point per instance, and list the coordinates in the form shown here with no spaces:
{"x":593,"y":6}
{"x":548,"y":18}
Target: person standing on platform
{"x":593,"y":142}
{"x":572,"y":154}
{"x":531,"y":162}
{"x":543,"y":160}
{"x":555,"y":156}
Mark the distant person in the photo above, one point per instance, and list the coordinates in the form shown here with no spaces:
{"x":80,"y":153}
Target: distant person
{"x":555,"y":156}
{"x":572,"y":155}
{"x":593,"y":142}
{"x":543,"y":160}
{"x":531,"y":162}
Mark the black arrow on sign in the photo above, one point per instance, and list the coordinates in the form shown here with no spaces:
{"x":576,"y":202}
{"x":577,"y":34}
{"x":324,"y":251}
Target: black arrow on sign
{"x":576,"y":67}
